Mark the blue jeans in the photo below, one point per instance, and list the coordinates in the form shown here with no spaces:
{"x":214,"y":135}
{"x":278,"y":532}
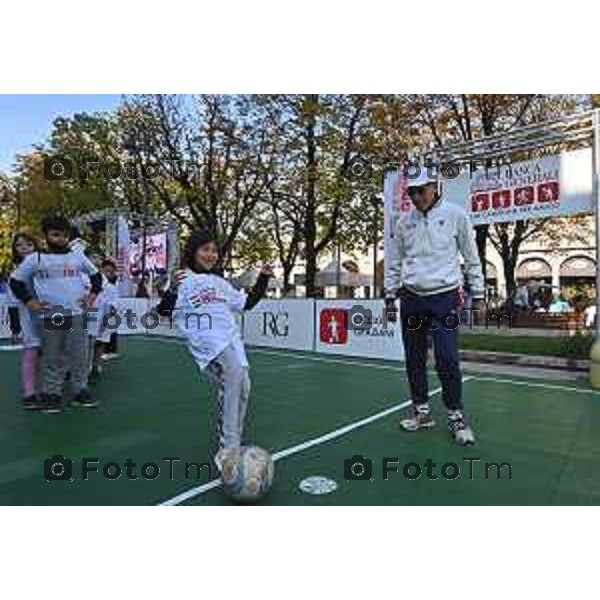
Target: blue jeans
{"x":435,"y":316}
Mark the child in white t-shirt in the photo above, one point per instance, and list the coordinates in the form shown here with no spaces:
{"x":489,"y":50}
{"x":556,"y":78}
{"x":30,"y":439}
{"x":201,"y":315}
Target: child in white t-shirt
{"x":53,"y":285}
{"x":205,"y":307}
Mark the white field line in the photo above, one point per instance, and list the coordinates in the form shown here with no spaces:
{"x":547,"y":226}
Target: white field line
{"x":202,"y":489}
{"x":548,"y":386}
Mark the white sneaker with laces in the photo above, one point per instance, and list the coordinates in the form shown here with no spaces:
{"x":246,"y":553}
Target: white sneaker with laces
{"x":461,"y":432}
{"x":420,"y":419}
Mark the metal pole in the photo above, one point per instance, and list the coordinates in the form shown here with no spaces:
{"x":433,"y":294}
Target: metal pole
{"x":375,"y":244}
{"x":338,"y":271}
{"x":595,"y":351}
{"x":143,"y":247}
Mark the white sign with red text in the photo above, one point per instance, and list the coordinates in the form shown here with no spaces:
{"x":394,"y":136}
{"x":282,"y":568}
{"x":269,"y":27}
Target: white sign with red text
{"x":549,"y":186}
{"x":339,"y":330}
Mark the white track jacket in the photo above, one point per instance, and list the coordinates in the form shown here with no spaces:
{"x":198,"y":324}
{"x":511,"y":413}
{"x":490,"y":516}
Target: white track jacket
{"x":426,"y":249}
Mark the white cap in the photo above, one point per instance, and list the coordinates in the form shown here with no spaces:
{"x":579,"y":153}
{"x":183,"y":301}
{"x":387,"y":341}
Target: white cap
{"x":422,"y":179}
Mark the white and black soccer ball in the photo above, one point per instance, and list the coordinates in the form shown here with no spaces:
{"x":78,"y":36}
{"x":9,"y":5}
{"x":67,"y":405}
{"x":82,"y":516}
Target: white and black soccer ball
{"x":247,"y":473}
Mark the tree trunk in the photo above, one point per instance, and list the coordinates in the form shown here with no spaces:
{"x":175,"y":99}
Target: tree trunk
{"x":287,"y":273}
{"x":310,"y":225}
{"x":509,"y":263}
{"x":481,"y":234}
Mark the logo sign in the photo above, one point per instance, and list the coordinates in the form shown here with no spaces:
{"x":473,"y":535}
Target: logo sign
{"x":285,"y":323}
{"x":554,"y":185}
{"x":357,"y":328}
{"x":275,"y":324}
{"x":333,"y":327}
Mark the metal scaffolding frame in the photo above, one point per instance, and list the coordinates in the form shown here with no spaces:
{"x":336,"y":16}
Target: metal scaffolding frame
{"x":579,"y":130}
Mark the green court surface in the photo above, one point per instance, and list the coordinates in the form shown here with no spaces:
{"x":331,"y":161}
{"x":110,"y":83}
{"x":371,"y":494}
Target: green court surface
{"x":308,"y":409}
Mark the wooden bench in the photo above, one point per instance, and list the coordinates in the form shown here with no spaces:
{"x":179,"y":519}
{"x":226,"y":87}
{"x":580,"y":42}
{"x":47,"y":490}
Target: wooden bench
{"x":550,"y":320}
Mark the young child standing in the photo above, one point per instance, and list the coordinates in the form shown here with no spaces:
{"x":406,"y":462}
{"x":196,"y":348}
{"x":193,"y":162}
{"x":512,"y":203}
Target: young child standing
{"x":57,"y":279}
{"x":107,"y":342}
{"x":25,"y":326}
{"x":206,"y":307}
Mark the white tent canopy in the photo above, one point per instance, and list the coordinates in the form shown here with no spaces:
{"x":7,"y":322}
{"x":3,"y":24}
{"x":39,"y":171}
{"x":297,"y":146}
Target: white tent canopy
{"x":335,"y":274}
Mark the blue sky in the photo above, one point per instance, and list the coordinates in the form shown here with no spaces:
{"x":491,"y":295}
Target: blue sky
{"x":27,"y":119}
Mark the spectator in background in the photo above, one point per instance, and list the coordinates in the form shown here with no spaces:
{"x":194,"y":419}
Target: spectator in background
{"x":560,"y":305}
{"x":142,"y":289}
{"x":545,"y":299}
{"x":590,"y":315}
{"x":521,"y":299}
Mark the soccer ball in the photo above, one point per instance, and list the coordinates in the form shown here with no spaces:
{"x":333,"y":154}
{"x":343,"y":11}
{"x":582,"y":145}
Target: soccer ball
{"x":247,"y":473}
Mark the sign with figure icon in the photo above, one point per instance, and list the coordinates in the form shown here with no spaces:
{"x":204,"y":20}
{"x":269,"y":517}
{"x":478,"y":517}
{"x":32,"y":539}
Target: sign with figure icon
{"x":333,"y":326}
{"x":357,"y":328}
{"x":548,"y":186}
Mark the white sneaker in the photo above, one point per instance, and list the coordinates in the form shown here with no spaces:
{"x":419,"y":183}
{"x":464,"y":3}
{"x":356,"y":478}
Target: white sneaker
{"x":461,"y":433}
{"x":420,"y":419}
{"x":224,"y":454}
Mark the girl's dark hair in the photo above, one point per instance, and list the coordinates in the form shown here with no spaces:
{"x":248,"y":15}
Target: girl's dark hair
{"x":107,"y":262}
{"x":17,"y":258}
{"x":197,"y":239}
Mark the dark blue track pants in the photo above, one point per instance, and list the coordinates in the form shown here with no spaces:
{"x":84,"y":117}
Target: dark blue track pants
{"x":435,"y":316}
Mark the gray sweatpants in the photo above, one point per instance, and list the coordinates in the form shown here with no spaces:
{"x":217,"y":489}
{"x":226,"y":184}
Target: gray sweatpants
{"x":233,"y":383}
{"x":64,"y":351}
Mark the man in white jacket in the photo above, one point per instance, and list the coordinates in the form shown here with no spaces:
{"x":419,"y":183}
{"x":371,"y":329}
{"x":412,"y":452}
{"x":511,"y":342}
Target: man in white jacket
{"x":424,"y":272}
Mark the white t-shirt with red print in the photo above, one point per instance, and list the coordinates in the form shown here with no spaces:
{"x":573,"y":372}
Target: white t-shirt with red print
{"x":205,"y":313}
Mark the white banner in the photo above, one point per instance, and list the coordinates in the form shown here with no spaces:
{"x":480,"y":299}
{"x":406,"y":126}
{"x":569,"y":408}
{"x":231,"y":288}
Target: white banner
{"x":287,"y":324}
{"x":337,"y":335}
{"x":550,"y":186}
{"x":281,"y":324}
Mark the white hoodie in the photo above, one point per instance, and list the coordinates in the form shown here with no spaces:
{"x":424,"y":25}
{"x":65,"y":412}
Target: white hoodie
{"x":425,"y":252}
